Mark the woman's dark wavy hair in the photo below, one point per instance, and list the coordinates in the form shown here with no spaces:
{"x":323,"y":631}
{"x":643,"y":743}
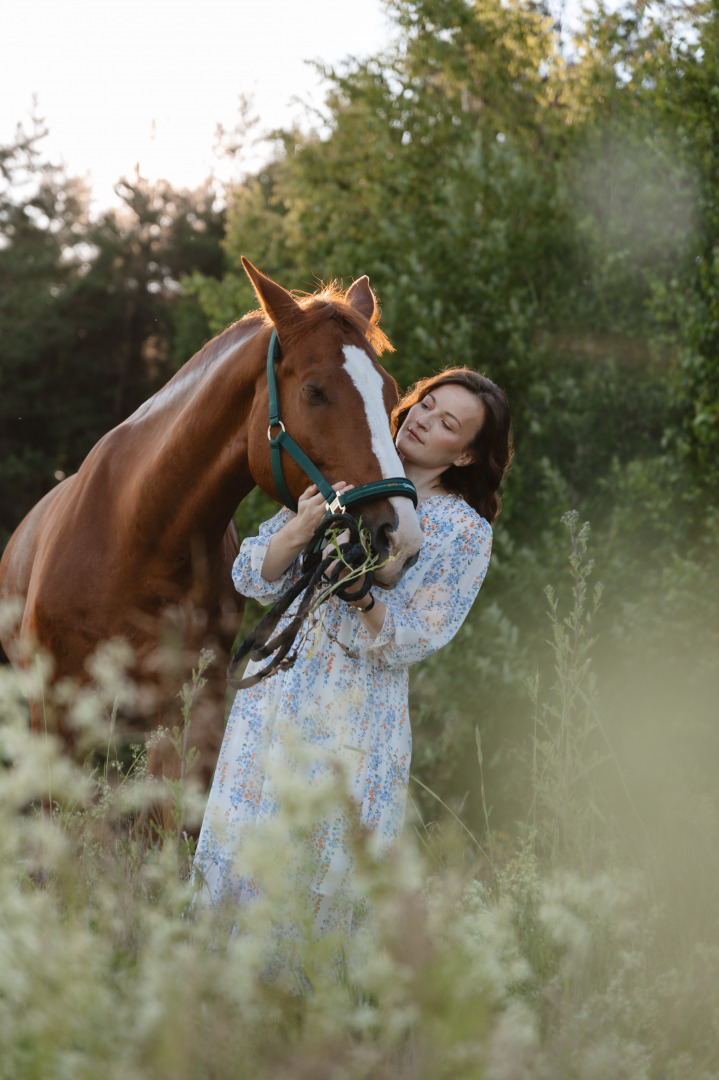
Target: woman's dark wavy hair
{"x":479,"y":482}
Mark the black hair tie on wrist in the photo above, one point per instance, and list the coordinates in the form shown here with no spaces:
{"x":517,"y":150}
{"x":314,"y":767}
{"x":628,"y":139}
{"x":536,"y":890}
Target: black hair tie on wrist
{"x":365,"y":610}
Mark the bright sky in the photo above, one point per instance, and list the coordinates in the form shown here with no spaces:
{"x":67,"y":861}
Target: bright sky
{"x":147,"y":81}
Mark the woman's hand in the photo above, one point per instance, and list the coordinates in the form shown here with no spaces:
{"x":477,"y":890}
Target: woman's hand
{"x":311,"y":508}
{"x":310,"y":511}
{"x":286,"y":545}
{"x":332,"y":549}
{"x":357,"y":582}
{"x":374,"y":619}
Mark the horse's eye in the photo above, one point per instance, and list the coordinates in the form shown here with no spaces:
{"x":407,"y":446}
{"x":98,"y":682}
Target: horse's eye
{"x":314,"y":395}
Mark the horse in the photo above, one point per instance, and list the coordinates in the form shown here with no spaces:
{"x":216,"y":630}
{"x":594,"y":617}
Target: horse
{"x":139,"y":543}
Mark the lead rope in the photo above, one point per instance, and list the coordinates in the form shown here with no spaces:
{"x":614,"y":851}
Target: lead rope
{"x":317,"y":571}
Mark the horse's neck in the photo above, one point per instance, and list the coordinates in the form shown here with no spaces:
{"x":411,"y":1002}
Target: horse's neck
{"x":192,"y":442}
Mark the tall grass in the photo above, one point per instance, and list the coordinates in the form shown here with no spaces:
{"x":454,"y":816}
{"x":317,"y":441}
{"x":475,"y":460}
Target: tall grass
{"x":566,"y":951}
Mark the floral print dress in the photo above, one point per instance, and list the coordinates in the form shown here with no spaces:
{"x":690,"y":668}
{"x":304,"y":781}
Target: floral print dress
{"x":342,"y":706}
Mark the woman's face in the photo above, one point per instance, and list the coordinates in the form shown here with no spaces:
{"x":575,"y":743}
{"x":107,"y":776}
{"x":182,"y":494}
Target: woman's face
{"x":439,"y":429}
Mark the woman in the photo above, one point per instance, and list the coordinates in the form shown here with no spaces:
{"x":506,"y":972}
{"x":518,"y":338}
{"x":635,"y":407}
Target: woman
{"x":344,"y":704}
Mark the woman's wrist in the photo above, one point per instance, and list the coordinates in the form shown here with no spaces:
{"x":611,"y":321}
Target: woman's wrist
{"x":296,"y":533}
{"x":364,"y":607}
{"x":371,"y":614}
{"x":282,"y":550}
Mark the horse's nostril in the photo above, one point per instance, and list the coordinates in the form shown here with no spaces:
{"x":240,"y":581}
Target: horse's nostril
{"x":381,"y":539}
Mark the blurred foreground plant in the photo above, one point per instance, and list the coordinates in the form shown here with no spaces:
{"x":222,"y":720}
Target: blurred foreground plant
{"x":562,"y":810}
{"x":108,"y":965}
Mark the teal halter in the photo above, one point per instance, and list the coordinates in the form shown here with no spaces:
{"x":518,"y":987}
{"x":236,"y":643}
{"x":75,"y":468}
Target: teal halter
{"x":336,"y":504}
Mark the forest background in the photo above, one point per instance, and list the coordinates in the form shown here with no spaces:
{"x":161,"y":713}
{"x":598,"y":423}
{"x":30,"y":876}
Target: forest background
{"x":542,"y":204}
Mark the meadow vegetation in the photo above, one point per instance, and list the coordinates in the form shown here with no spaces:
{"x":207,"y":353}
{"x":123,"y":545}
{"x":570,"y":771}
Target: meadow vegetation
{"x":585,"y":944}
{"x":542,"y":204}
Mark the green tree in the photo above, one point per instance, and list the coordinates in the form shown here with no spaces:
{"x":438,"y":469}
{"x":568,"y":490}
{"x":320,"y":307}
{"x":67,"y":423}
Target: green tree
{"x":128,"y":305}
{"x":691,"y":316}
{"x":92,"y":316}
{"x":428,"y":182}
{"x":43,"y":215}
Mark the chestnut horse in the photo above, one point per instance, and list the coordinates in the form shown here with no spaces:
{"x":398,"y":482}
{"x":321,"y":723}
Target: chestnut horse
{"x":140,"y":542}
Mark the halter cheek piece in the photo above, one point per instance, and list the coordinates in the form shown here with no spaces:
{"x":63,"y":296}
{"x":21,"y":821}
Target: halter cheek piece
{"x":336,"y":503}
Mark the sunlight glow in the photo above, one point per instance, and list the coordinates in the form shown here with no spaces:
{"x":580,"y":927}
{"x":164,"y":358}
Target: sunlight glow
{"x":147,"y":84}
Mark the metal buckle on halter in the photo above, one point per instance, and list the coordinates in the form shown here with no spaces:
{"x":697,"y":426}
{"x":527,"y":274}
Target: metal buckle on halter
{"x":336,"y":506}
{"x":277,"y":423}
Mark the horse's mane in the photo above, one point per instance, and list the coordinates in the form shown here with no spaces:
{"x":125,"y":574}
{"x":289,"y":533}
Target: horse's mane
{"x":329,"y":302}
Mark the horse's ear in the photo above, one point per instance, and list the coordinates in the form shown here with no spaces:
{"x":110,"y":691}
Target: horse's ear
{"x":360,"y":296}
{"x":276,"y":301}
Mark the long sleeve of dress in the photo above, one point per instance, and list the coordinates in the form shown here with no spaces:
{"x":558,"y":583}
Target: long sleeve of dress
{"x":247,"y":568}
{"x":427,"y":608}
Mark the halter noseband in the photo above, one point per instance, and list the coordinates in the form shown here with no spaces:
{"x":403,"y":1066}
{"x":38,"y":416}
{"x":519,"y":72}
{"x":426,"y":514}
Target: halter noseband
{"x":336,"y":503}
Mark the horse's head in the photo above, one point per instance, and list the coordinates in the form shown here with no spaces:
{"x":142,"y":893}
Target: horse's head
{"x":335,"y":401}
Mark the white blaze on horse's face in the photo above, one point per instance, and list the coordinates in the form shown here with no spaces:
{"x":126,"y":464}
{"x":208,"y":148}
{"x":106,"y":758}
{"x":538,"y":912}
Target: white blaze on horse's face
{"x":406,"y":539}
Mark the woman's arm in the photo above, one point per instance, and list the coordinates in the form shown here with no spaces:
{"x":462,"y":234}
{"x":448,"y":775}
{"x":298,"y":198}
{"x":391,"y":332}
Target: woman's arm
{"x":247,"y":567}
{"x":371,"y":611}
{"x":265,"y":566}
{"x":416,"y":625}
{"x":286,"y":545}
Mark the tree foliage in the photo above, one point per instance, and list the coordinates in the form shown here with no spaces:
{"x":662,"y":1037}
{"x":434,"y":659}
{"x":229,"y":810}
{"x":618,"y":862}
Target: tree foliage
{"x":92,"y":317}
{"x":541,"y":205}
{"x":538,"y":208}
